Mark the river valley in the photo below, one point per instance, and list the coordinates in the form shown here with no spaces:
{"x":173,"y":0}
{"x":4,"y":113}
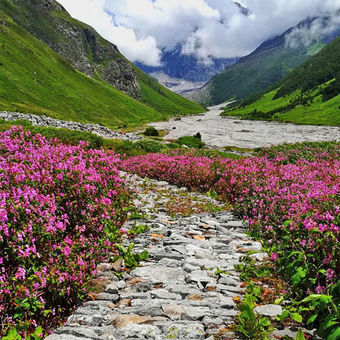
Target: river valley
{"x":218,"y":131}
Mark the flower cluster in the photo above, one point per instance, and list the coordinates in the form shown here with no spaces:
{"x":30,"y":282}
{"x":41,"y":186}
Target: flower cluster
{"x":61,"y":208}
{"x":291,"y":201}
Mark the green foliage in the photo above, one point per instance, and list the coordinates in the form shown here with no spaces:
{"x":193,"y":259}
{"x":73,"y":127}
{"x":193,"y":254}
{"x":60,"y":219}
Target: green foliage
{"x":149,"y":145}
{"x":131,"y":260}
{"x":14,"y":335}
{"x":248,"y":269}
{"x":151,"y":132}
{"x":137,"y":229}
{"x":250,"y":324}
{"x":298,"y":107}
{"x":190,"y":141}
{"x":325,"y":311}
{"x":331,"y":90}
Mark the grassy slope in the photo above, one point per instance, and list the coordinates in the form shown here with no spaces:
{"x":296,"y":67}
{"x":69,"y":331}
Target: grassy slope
{"x":164,"y":100}
{"x":307,"y":82}
{"x":153,"y":94}
{"x":35,"y":79}
{"x":254,"y":74}
{"x":317,"y":113}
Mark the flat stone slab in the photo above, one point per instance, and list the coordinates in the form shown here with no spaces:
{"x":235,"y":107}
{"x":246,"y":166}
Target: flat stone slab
{"x":269,"y":310}
{"x":160,"y":274}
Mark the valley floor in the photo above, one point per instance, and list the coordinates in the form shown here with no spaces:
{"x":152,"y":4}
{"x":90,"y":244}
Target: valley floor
{"x":218,"y":131}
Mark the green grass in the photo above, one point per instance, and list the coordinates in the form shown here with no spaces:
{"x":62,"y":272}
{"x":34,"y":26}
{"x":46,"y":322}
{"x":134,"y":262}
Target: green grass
{"x":34,"y":79}
{"x":316,"y":112}
{"x":164,"y":100}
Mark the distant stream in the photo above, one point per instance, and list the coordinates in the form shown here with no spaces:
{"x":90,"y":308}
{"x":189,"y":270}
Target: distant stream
{"x":218,"y":131}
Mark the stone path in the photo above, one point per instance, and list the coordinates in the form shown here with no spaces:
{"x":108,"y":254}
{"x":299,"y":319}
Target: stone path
{"x":186,"y":288}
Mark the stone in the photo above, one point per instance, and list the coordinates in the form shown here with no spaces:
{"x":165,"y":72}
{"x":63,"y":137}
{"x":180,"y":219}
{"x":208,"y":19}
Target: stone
{"x":160,"y":274}
{"x":174,"y":312}
{"x":64,"y":337}
{"x":121,"y":321}
{"x":164,"y":294}
{"x":175,"y":293}
{"x":195,"y":313}
{"x":107,"y":297}
{"x":183,"y":330}
{"x":270,"y":310}
{"x":199,"y":276}
{"x":135,"y":331}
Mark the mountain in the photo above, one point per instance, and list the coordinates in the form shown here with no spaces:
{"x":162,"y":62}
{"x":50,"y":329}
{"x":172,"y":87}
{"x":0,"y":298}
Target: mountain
{"x":181,"y":73}
{"x":269,"y":62}
{"x":310,"y":94}
{"x":81,"y":77}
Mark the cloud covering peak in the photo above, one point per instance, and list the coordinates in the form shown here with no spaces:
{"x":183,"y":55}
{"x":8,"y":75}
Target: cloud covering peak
{"x":204,"y":28}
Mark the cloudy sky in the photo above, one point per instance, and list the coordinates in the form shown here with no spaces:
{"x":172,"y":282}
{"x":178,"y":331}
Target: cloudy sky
{"x":204,"y":28}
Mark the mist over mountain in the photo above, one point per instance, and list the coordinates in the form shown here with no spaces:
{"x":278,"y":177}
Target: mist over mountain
{"x":177,"y":68}
{"x":271,"y":61}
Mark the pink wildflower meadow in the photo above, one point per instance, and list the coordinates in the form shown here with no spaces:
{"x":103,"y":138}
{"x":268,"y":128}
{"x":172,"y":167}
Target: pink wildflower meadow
{"x":56,"y":202}
{"x":290,"y":200}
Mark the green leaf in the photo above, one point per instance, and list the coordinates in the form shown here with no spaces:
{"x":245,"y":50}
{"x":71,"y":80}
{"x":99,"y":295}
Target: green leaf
{"x":144,"y":255}
{"x":121,"y":249}
{"x":131,"y":247}
{"x":318,"y":297}
{"x":298,"y":276}
{"x":278,"y":301}
{"x":296,"y":317}
{"x":334,"y":335}
{"x":312,"y":319}
{"x":265,"y":322}
{"x":300,"y":335}
{"x":287,"y":223}
{"x":284,"y":315}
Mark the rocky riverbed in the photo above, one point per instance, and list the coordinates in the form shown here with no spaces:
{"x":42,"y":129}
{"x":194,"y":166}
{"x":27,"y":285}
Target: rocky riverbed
{"x":219,"y":131}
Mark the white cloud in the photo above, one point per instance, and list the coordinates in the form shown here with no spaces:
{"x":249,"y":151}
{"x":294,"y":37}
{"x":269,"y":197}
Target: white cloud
{"x":92,"y":12}
{"x":204,"y":28}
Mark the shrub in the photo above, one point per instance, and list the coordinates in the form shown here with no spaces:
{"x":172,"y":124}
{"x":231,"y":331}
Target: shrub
{"x":61,"y":208}
{"x":149,"y":145}
{"x":151,"y":132}
{"x":190,"y":141}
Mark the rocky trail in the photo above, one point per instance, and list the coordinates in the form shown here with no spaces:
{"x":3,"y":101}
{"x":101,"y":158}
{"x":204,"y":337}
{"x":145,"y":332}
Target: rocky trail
{"x":185,"y":289}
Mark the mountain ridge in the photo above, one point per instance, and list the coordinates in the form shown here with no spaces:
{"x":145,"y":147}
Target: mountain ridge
{"x":310,"y":94}
{"x":256,"y":72}
{"x":154,"y":102}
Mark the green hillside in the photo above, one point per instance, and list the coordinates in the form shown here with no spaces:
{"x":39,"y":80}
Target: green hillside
{"x":308,"y":95}
{"x":251,"y":75}
{"x":269,"y":63}
{"x":35,"y":79}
